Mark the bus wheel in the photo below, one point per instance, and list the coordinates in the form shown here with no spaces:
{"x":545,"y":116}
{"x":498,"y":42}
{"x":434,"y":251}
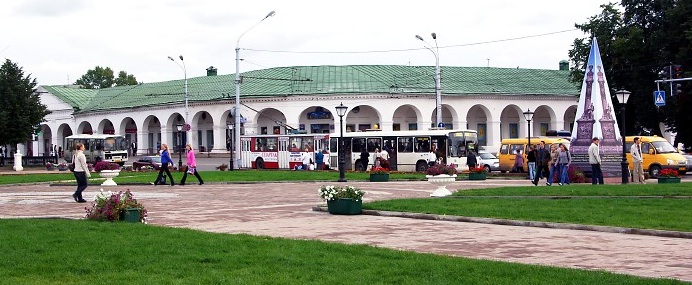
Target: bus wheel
{"x":259,"y":163}
{"x":654,"y":171}
{"x":421,"y":166}
{"x":359,"y":166}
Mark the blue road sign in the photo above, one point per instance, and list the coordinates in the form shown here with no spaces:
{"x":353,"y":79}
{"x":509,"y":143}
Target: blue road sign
{"x":660,"y":98}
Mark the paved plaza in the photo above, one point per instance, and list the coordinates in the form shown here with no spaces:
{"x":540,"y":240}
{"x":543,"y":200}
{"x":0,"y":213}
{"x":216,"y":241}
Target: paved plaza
{"x":285,"y":210}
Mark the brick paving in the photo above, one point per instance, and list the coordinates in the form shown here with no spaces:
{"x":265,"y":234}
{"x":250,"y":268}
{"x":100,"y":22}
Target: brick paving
{"x":285,"y":210}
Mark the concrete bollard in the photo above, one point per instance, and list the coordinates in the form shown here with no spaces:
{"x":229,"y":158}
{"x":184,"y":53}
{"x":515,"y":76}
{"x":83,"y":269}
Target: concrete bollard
{"x":18,"y":161}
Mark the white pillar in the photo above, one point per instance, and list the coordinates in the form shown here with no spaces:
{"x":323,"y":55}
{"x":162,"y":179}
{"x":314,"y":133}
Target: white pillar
{"x":18,"y":161}
{"x":220,"y":132}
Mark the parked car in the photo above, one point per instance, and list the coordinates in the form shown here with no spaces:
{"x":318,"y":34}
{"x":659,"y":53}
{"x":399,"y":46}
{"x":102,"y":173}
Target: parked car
{"x":489,"y":161}
{"x":689,"y":161}
{"x":153,"y":161}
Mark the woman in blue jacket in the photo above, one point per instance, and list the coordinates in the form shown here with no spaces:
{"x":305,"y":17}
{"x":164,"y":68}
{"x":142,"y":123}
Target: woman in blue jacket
{"x":165,"y":161}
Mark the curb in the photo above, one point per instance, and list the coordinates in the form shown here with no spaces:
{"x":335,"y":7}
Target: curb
{"x":537,"y":224}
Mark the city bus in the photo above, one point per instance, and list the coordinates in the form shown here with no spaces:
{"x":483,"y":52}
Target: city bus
{"x":98,"y":147}
{"x":281,"y":151}
{"x":408,"y":151}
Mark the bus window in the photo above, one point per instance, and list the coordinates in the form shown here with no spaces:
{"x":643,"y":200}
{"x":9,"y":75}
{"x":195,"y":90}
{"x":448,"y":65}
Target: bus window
{"x":504,"y":149}
{"x":296,"y":143}
{"x":422,"y":144}
{"x":374,"y":143}
{"x":358,"y":144}
{"x":405,"y":144}
{"x":333,"y":144}
{"x":271,"y":144}
{"x":109,"y":144}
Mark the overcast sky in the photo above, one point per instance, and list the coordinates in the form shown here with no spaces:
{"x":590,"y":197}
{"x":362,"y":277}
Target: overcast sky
{"x":57,"y":41}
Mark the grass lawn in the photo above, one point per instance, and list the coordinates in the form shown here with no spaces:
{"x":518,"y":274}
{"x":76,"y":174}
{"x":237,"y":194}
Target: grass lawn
{"x":46,"y":251}
{"x":211,"y":176}
{"x":606,"y":205}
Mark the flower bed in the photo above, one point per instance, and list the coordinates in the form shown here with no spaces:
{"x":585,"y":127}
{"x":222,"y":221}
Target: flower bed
{"x":110,"y":206}
{"x":441,"y":168}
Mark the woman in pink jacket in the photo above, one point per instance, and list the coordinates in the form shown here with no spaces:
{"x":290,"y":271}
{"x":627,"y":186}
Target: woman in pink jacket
{"x":191,"y":165}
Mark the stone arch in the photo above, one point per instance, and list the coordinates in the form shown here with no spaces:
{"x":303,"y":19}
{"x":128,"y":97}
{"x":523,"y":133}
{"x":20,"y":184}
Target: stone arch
{"x":106,"y":127}
{"x":45,"y":141}
{"x":479,"y":118}
{"x":512,"y":122}
{"x":64,"y":130}
{"x":84,"y":128}
{"x":449,"y":116}
{"x":202,"y":131}
{"x":272,"y":121}
{"x":171,"y":136}
{"x":360,"y":118}
{"x":128,"y":128}
{"x":543,"y":120}
{"x":316,"y":119}
{"x":407,"y":117}
{"x":153,"y":139}
{"x":569,"y":118}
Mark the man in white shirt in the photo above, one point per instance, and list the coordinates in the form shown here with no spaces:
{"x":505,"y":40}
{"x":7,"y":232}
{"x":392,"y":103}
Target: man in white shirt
{"x":306,"y":158}
{"x":638,"y":170}
{"x":595,"y":161}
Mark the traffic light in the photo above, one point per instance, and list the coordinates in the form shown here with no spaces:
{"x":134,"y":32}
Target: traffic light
{"x":676,"y":74}
{"x":665,"y":72}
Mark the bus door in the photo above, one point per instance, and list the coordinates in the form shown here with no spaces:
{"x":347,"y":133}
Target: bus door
{"x":284,"y":153}
{"x":245,"y":154}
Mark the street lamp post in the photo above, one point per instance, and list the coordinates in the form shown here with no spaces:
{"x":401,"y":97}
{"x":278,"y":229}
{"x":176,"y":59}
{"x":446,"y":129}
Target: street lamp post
{"x":623,"y":95}
{"x":230,"y":132}
{"x":184,"y":68}
{"x":341,"y":111}
{"x":236,"y":113}
{"x":180,"y":149}
{"x":438,"y":85}
{"x":528,"y":115}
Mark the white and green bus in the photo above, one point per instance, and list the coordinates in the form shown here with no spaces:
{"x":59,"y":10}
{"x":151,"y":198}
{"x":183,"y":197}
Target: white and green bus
{"x":98,"y":147}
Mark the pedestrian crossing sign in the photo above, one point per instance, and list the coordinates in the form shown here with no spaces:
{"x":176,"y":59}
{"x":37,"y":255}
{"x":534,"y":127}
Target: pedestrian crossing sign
{"x":660,"y":98}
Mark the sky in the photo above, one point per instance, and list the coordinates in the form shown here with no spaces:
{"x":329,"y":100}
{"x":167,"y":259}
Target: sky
{"x":57,"y":41}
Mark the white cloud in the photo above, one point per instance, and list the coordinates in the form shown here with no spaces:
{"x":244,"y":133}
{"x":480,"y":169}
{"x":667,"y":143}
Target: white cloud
{"x":57,"y":39}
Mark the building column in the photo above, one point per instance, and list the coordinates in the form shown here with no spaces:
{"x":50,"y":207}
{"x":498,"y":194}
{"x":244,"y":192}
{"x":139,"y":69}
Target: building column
{"x":220,"y":132}
{"x":493,"y":136}
{"x":141,"y":141}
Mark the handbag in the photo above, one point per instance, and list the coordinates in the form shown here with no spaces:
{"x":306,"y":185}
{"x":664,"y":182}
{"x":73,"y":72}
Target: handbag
{"x":71,"y":165}
{"x":191,"y":170}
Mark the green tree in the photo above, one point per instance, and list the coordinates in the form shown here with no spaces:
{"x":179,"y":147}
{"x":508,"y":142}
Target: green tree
{"x":100,"y":77}
{"x":21,"y":110}
{"x":125,"y":79}
{"x":636,"y":40}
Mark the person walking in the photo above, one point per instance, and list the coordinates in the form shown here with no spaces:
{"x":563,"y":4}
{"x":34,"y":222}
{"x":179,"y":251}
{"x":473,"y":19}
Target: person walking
{"x":319,"y":160}
{"x":595,"y":161}
{"x":471,"y":160}
{"x":165,"y":161}
{"x":637,"y":168}
{"x":553,"y":165}
{"x":306,"y":159}
{"x":81,"y":172}
{"x":519,"y":162}
{"x":365,"y":158}
{"x":563,"y":161}
{"x":191,"y":165}
{"x":542,"y":159}
{"x":531,"y":157}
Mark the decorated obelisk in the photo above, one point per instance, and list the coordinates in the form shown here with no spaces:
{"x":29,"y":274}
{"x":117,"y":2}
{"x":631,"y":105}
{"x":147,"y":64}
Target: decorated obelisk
{"x":595,"y":118}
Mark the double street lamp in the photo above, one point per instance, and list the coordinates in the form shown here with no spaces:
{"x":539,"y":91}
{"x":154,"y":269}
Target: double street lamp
{"x":186,"y":96}
{"x":438,"y":87}
{"x":528,"y":115}
{"x":341,"y":111}
{"x":236,"y":113}
{"x":179,"y":127}
{"x":623,"y":95}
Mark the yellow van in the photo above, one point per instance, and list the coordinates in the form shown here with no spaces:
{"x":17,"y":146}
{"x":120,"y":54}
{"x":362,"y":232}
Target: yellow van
{"x":508,"y":147}
{"x":657,"y":154}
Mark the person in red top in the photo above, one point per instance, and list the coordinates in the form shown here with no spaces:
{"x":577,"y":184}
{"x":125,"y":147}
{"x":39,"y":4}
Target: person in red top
{"x":191,"y":165}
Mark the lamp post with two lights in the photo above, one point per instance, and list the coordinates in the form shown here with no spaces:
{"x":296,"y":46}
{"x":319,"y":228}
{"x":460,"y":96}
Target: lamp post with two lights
{"x":179,"y":127}
{"x":438,"y":85}
{"x":186,"y":94}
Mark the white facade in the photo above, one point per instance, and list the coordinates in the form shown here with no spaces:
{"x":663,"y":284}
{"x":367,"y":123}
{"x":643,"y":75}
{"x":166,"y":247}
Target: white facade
{"x":494,"y":116}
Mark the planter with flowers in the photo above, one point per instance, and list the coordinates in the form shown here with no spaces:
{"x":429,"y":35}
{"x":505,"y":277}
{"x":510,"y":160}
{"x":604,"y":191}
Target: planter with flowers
{"x":121,"y":206}
{"x":346,"y":200}
{"x":477,"y":173}
{"x":441,"y":175}
{"x":379,"y":174}
{"x":668,"y":176}
{"x":50,"y":166}
{"x":107,"y":170}
{"x":62,"y":166}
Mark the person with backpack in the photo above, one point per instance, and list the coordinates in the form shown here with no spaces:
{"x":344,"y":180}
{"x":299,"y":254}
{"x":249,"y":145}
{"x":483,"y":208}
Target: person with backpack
{"x":165,"y":161}
{"x":563,"y":161}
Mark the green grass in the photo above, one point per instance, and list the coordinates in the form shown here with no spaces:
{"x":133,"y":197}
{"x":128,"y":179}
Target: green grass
{"x":42,"y":251}
{"x":579,"y":204}
{"x":212,"y":176}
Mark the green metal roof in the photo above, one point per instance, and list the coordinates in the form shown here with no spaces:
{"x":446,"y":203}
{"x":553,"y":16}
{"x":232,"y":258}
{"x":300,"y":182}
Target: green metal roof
{"x":326,"y":80}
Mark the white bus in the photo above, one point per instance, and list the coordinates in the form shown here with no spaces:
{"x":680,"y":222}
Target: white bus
{"x":408,"y":150}
{"x":281,"y":151}
{"x":97,"y":147}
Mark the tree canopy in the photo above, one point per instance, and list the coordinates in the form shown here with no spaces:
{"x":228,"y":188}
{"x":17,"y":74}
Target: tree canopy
{"x":637,"y":39}
{"x":21,"y":110}
{"x":100,"y":77}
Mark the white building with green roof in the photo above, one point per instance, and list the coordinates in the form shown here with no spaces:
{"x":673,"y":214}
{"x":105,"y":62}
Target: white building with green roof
{"x":391,"y":97}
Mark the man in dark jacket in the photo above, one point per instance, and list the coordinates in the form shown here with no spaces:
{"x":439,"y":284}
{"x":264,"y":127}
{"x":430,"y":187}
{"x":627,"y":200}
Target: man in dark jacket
{"x":542,"y":163}
{"x":471,"y":160}
{"x":364,"y":158}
